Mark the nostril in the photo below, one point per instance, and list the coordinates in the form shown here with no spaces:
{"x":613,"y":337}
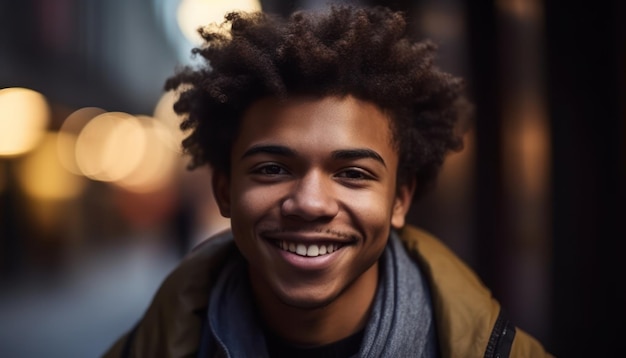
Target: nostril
{"x":311,"y":198}
{"x":309,"y":209}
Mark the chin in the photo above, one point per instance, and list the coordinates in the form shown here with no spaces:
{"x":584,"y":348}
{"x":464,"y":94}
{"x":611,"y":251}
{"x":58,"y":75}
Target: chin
{"x":306,"y":300}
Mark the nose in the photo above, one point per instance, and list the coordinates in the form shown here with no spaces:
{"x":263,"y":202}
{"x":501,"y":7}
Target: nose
{"x":311,"y":198}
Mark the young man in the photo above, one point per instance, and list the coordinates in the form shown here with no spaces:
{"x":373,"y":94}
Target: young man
{"x":321,"y":129}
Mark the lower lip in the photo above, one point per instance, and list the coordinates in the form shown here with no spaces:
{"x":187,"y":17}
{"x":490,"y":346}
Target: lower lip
{"x":308,"y":263}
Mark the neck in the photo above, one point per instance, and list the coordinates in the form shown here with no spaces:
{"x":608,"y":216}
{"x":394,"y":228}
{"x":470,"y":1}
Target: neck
{"x":345,"y":315}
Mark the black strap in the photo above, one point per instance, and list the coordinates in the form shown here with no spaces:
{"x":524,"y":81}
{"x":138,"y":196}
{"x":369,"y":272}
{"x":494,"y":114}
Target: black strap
{"x":501,"y":339}
{"x":126,"y":353}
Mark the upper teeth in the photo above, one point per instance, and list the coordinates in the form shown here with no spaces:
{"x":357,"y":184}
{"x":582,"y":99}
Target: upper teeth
{"x":307,"y":250}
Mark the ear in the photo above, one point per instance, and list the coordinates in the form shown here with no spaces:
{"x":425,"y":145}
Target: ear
{"x":402,"y":204}
{"x":221,"y":191}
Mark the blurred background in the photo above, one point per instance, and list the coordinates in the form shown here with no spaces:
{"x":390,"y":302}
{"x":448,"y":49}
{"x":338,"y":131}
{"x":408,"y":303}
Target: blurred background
{"x":96,"y":205}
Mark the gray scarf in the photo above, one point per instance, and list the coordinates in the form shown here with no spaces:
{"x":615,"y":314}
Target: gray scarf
{"x":401,"y":322}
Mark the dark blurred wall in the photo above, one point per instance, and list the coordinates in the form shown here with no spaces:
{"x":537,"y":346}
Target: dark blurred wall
{"x":586,"y":52}
{"x":562,"y":63}
{"x":582,"y":64}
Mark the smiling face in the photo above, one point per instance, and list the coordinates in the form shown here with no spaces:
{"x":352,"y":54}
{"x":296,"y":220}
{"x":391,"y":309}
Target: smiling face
{"x":312,"y":197}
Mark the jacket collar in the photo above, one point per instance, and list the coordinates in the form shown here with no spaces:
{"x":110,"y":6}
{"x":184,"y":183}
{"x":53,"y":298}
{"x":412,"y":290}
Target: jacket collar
{"x":464,"y":310}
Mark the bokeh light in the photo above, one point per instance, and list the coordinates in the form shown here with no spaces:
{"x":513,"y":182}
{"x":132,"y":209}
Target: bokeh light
{"x":158,"y":163}
{"x":42,"y":176}
{"x":110,"y":146}
{"x":193,"y":14}
{"x":133,"y":152}
{"x":68,"y":133}
{"x":24,"y":116}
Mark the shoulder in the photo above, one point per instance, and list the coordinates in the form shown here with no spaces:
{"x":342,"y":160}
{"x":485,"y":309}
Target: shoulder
{"x":444,"y":269}
{"x":192,"y":278}
{"x":468,"y":317}
{"x":171,"y":325}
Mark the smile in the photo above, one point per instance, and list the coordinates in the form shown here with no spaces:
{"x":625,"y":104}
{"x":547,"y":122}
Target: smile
{"x":309,"y":250}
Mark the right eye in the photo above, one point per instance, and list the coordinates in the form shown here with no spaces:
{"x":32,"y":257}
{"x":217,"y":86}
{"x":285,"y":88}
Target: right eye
{"x":270,"y":170}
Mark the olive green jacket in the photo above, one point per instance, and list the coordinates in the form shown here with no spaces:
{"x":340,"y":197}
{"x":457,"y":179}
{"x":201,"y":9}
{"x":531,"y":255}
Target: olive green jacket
{"x":469,"y":321}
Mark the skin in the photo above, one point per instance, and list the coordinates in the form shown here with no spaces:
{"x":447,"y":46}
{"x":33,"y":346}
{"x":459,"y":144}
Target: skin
{"x":313,"y":171}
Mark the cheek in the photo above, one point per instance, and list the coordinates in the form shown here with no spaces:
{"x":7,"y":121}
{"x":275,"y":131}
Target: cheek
{"x":248,"y":207}
{"x":372,"y":212}
{"x":251,"y":203}
{"x":247,"y":196}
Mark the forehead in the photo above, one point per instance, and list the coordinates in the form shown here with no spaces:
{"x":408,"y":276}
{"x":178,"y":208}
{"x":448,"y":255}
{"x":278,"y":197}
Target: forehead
{"x":328,"y":121}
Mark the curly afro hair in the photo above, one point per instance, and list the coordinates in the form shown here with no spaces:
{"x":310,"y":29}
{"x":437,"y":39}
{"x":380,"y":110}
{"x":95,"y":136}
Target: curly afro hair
{"x":358,"y":51}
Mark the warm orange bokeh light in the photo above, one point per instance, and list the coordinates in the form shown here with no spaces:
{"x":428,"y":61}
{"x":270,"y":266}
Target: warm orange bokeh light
{"x":24,"y":116}
{"x":193,"y":14}
{"x":42,"y":176}
{"x":132,"y":152}
{"x":110,"y":146}
{"x":68,"y":133}
{"x":158,"y":164}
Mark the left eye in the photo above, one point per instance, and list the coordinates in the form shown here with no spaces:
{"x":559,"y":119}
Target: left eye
{"x":271,"y":169}
{"x":354,"y":174}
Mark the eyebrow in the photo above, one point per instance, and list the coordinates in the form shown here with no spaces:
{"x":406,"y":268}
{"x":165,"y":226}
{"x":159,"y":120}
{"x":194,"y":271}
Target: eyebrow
{"x":341,"y":154}
{"x":269,"y":149}
{"x":358,"y":153}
